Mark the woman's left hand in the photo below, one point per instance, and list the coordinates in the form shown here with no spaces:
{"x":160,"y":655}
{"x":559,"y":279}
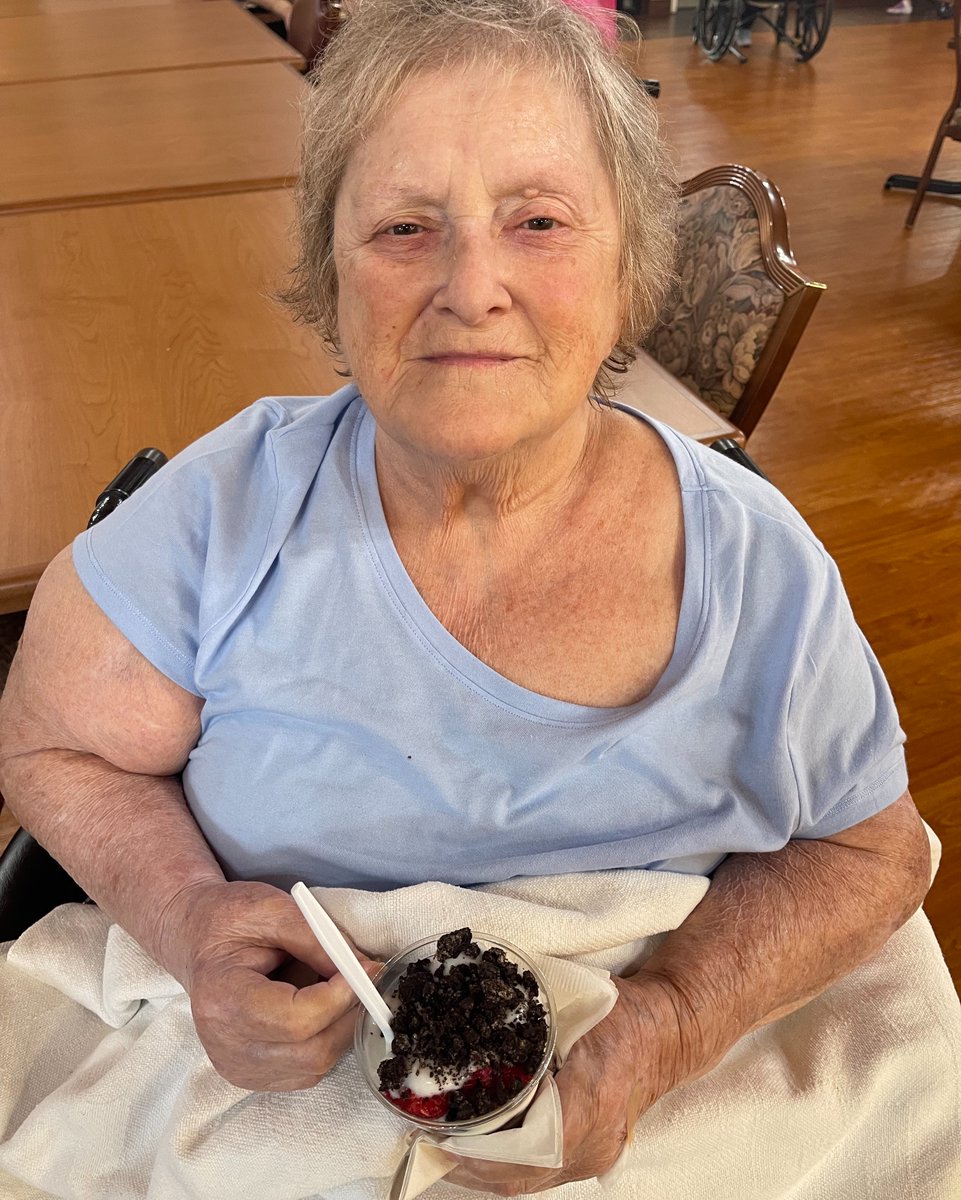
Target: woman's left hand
{"x":614,"y":1073}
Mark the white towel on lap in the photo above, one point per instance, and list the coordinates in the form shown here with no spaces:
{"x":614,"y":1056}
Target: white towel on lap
{"x":106,"y":1093}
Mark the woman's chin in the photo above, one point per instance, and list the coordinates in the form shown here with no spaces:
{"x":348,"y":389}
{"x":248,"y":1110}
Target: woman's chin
{"x":463,"y":445}
{"x":472,"y":425}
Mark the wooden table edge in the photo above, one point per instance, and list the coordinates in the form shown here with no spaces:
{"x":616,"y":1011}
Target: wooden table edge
{"x":17,"y":587}
{"x":294,"y":60}
{"x":145,"y":195}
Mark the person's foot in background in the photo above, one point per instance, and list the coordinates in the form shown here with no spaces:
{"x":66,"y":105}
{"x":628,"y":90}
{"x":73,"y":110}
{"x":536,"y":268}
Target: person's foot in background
{"x":742,"y":35}
{"x":901,"y":9}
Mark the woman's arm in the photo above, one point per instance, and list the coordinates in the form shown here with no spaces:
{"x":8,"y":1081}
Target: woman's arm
{"x":92,"y":741}
{"x":773,"y":931}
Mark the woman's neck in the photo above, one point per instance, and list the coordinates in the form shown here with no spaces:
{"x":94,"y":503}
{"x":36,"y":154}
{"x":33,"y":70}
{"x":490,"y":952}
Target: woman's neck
{"x":533,"y":482}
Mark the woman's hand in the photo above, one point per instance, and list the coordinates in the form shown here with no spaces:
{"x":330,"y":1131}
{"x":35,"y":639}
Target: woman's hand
{"x":614,"y":1073}
{"x":223,"y":941}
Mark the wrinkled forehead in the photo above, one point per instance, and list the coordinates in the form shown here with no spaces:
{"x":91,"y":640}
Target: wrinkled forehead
{"x":519,"y":124}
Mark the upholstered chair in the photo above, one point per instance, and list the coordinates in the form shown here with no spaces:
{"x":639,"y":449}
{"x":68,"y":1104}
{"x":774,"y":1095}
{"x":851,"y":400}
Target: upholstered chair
{"x":740,"y":304}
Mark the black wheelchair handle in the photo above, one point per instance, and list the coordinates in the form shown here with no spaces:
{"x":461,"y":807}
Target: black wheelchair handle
{"x":730,"y":449}
{"x":143,"y":464}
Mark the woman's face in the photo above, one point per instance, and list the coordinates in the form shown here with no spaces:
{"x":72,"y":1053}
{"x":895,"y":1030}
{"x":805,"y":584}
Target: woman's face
{"x":477,"y":247}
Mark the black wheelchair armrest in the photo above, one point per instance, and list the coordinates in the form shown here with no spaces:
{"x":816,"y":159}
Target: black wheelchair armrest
{"x":31,"y":884}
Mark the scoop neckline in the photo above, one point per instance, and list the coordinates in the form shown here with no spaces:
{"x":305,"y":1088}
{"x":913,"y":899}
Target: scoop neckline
{"x":459,"y":662}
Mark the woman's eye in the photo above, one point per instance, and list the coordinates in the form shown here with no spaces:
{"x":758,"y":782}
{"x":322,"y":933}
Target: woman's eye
{"x":541,"y":224}
{"x":403,"y":229}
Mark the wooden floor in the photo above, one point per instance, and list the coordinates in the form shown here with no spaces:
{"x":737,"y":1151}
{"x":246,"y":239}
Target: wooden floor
{"x":864,"y":435}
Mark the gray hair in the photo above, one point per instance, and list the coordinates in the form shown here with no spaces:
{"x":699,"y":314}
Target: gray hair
{"x":386,"y":43}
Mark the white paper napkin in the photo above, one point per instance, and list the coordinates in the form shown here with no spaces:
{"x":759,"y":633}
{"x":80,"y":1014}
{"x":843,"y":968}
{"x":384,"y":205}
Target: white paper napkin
{"x":583,"y":996}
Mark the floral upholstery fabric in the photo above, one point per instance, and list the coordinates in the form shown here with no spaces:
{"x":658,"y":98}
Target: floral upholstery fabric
{"x":722,"y":310}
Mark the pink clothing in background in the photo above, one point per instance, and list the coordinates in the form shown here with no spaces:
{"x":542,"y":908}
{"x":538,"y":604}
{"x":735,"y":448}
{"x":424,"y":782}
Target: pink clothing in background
{"x":601,"y":12}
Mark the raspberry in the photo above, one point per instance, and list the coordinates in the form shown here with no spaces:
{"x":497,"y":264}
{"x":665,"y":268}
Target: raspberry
{"x":510,"y":1074}
{"x":430,"y":1108}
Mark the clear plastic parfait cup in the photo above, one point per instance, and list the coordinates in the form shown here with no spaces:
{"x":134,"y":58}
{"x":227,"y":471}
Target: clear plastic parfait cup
{"x":370,"y":1049}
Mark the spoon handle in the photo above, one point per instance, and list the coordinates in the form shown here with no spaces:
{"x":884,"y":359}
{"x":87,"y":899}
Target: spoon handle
{"x":343,"y":958}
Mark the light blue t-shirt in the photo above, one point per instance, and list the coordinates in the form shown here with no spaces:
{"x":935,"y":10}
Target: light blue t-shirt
{"x":349,"y":740}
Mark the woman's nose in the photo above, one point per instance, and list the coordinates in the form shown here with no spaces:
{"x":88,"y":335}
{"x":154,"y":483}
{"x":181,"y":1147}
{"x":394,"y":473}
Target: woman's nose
{"x":472,"y":286}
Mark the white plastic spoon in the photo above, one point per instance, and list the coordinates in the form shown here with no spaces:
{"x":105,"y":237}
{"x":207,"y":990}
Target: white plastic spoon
{"x":344,"y":959}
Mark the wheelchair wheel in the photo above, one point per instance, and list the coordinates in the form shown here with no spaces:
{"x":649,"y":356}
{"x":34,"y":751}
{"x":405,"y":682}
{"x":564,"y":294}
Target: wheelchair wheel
{"x":715,"y":24}
{"x":811,"y":27}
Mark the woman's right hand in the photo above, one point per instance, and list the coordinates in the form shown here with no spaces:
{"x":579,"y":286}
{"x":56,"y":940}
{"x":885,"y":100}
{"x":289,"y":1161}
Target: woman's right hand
{"x":222,"y":941}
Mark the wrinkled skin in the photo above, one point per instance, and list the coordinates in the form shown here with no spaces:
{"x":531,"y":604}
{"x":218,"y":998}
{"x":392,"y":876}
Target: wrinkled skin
{"x":270,"y":1009}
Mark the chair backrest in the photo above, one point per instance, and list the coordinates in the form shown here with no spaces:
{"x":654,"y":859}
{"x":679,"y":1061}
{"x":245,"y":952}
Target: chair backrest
{"x":954,"y":118}
{"x":740,"y":304}
{"x":311,"y":25}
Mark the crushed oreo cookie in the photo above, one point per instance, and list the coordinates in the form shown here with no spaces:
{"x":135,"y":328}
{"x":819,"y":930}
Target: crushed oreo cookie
{"x":464,"y":1012}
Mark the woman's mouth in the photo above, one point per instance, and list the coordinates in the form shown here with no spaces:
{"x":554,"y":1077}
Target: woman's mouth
{"x":471,"y":360}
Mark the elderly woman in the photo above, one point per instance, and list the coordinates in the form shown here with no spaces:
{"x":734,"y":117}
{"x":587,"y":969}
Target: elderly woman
{"x":466,"y":620}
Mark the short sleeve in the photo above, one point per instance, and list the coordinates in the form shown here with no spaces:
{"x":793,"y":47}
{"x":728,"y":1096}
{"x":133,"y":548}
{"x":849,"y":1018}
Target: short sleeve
{"x":845,"y":742}
{"x":171,"y":561}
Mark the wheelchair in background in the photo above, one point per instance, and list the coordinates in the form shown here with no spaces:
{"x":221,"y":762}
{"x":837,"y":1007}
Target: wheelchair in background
{"x":801,"y":24}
